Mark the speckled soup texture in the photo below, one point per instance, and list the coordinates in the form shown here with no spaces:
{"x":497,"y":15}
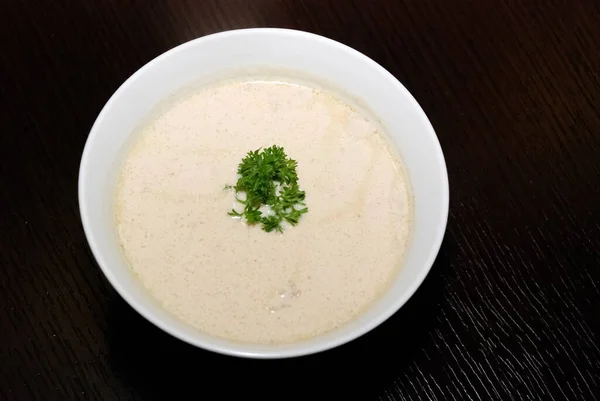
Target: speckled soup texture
{"x":238,"y":282}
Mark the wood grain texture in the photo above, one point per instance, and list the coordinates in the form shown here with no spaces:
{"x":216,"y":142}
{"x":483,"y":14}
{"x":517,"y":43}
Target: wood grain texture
{"x":511,"y":309}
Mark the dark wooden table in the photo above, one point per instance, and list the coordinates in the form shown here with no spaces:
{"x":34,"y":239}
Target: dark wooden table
{"x":511,"y":309}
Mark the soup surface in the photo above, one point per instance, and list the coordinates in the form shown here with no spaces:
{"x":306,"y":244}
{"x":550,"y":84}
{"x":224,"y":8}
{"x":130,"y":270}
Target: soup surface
{"x":239,"y":282}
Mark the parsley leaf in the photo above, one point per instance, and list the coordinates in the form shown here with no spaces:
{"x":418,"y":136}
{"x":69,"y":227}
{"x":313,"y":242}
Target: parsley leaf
{"x":268,"y":177}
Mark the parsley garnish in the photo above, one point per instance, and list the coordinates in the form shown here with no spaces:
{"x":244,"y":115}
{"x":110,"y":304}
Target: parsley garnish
{"x":268,"y":177}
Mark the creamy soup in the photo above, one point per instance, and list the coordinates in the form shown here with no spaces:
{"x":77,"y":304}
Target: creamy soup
{"x":238,"y":282}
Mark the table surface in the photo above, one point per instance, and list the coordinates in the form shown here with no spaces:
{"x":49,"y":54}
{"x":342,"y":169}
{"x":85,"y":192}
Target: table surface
{"x":511,"y":308}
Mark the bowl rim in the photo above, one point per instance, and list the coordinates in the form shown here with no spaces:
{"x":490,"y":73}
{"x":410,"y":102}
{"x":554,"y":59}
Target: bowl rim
{"x":241,"y":350}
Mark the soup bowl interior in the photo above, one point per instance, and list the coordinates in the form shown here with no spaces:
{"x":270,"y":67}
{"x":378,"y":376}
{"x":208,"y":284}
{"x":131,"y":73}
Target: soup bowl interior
{"x":211,"y":57}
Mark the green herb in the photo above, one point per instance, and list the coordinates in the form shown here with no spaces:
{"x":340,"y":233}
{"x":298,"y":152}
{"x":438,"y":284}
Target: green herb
{"x":268,"y":177}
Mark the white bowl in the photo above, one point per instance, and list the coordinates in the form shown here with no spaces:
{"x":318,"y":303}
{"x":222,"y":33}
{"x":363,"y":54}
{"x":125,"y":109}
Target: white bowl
{"x":208,"y":57}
